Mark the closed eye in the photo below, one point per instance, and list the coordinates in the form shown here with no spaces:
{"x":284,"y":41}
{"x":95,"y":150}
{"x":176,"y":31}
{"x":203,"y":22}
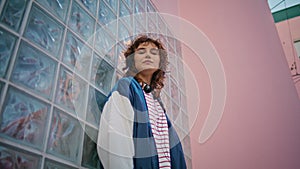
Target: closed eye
{"x":154,"y":51}
{"x":141,"y":50}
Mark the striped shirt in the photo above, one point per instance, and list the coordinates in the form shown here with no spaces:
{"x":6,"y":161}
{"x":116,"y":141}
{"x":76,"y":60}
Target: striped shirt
{"x":159,"y":127}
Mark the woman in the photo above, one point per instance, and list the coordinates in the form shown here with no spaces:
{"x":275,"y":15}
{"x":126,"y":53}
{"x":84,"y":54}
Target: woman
{"x":134,"y":130}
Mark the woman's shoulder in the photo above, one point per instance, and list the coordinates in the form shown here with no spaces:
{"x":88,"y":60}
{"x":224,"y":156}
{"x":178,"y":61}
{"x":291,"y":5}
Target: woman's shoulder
{"x":128,"y":87}
{"x":124,"y":81}
{"x":125,"y":85}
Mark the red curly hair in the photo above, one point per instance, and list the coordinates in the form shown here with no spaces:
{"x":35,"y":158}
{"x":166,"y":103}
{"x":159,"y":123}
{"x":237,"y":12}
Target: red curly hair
{"x":157,"y":80}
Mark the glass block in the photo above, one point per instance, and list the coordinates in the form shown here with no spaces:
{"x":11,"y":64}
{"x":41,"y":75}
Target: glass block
{"x":90,"y":157}
{"x":104,"y":41}
{"x":175,"y":110}
{"x":178,"y":48}
{"x":139,"y":6}
{"x":23,"y":118}
{"x":106,"y":15}
{"x":121,"y":58}
{"x":82,"y":23}
{"x":167,"y":103}
{"x":172,"y":59}
{"x":169,"y":35}
{"x":183,"y":102}
{"x":181,"y":124}
{"x":174,"y":90}
{"x":102,"y":74}
{"x":124,"y":11}
{"x":91,"y":5}
{"x":125,"y":15}
{"x":173,"y":70}
{"x":58,"y":7}
{"x":112,"y":3}
{"x":34,"y":70}
{"x":124,"y":33}
{"x":110,"y":28}
{"x":139,"y":28}
{"x":77,"y":55}
{"x":13,"y":12}
{"x":129,"y":3}
{"x":185,"y":122}
{"x":167,"y":84}
{"x":151,"y":25}
{"x":7,"y":43}
{"x":44,"y":31}
{"x":11,"y":158}
{"x":181,"y":80}
{"x":50,"y":164}
{"x":171,"y":45}
{"x":150,"y":7}
{"x":71,"y":92}
{"x":64,"y":137}
{"x":95,"y":106}
{"x":110,"y":56}
{"x":161,"y":25}
{"x":163,"y":40}
{"x":173,"y":67}
{"x":180,"y":65}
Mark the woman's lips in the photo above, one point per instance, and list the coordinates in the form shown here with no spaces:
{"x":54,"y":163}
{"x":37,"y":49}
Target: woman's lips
{"x":147,"y":62}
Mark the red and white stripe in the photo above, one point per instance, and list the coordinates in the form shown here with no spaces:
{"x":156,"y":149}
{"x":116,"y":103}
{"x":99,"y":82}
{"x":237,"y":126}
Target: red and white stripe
{"x":159,"y":127}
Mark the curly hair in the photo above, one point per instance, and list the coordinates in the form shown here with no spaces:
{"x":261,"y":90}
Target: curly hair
{"x":157,"y":80}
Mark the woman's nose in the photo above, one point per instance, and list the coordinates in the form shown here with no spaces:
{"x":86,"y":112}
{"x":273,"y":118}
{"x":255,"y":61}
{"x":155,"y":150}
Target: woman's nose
{"x":148,"y":54}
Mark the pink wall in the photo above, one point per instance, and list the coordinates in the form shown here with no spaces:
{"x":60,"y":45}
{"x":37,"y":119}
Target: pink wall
{"x":289,"y":32}
{"x":260,"y":124}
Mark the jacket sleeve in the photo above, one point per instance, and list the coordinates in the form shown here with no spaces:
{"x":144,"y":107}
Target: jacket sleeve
{"x":115,"y":138}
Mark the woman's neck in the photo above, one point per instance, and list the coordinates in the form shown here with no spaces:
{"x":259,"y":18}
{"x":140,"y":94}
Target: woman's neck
{"x":144,"y":79}
{"x":145,"y":76}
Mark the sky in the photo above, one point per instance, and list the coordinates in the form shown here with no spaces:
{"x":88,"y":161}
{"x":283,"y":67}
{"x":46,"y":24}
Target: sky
{"x":276,"y":5}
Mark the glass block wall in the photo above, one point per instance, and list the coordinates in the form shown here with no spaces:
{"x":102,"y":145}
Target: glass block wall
{"x":44,"y":44}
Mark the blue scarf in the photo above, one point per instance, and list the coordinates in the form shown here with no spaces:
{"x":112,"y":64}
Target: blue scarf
{"x":144,"y":145}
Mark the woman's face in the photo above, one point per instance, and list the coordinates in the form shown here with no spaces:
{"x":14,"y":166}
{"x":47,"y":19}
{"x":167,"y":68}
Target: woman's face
{"x":146,"y":57}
